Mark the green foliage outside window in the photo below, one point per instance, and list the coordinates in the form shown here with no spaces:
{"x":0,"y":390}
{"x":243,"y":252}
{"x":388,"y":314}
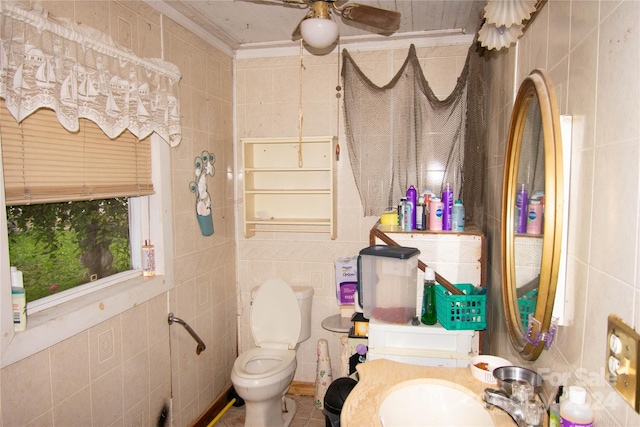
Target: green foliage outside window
{"x":58,"y":246}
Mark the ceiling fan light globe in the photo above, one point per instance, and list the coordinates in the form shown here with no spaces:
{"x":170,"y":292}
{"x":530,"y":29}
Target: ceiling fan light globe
{"x":319,"y":32}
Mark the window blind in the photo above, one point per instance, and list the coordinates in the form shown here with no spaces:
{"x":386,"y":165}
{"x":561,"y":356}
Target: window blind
{"x":45,"y":163}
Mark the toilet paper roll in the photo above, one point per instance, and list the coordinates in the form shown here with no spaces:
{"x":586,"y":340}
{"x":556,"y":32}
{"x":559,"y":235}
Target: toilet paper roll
{"x":324,"y":376}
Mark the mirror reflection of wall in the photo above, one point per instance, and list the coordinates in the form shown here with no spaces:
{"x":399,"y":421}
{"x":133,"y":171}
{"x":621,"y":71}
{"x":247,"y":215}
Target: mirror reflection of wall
{"x":528,"y":250}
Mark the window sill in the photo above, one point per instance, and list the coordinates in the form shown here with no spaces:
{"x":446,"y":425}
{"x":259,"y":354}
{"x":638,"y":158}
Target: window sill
{"x":53,"y":325}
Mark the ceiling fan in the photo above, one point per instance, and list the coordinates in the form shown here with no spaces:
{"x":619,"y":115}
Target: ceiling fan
{"x":320,"y":31}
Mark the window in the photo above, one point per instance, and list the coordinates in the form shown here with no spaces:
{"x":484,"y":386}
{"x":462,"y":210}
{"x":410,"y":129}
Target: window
{"x":59,"y":246}
{"x":149,"y":216}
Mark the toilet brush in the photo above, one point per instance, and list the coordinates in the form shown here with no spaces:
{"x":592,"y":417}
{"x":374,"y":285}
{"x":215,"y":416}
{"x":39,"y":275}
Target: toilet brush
{"x":324,"y":377}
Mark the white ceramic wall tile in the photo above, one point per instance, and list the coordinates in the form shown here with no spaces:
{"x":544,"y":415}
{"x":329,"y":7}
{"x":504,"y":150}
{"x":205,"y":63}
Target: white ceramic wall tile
{"x":21,"y":401}
{"x":74,"y":410}
{"x":613,"y":232}
{"x":559,"y":20}
{"x":69,"y":367}
{"x":107,"y":398}
{"x":619,"y":56}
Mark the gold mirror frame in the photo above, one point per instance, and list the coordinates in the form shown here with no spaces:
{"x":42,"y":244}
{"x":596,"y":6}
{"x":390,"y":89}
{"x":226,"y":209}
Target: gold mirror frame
{"x":537,"y":84}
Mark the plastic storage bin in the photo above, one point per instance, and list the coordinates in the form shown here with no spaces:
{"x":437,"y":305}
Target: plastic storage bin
{"x":387,"y":283}
{"x":457,"y":312}
{"x":423,"y":345}
{"x":527,"y":305}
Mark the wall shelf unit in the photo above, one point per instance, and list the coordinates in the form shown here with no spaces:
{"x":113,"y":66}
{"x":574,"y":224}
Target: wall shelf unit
{"x":286,"y":190}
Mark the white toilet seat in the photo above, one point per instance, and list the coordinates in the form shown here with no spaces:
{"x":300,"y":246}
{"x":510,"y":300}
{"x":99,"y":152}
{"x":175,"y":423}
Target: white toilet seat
{"x":259,"y":363}
{"x":275,"y":317}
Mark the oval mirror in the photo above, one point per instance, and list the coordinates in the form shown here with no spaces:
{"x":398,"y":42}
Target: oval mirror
{"x":532,"y":199}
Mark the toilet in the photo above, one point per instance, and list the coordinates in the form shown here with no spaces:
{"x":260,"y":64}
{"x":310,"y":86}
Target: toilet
{"x":280,"y":319}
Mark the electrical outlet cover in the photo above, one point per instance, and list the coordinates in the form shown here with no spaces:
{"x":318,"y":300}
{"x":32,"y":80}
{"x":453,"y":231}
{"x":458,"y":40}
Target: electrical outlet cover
{"x":623,"y":343}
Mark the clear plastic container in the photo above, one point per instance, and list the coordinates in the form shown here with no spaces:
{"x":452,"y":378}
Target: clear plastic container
{"x":387,"y":283}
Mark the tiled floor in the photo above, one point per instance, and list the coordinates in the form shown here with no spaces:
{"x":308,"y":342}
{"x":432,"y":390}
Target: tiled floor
{"x":307,"y":415}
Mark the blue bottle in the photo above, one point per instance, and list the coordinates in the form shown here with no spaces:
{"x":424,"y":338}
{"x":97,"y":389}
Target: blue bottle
{"x":447,"y":209}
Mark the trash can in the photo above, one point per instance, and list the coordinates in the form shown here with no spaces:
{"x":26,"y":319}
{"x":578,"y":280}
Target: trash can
{"x":334,"y":399}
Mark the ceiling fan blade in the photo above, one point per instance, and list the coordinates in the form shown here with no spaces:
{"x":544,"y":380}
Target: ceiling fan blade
{"x":373,"y":16}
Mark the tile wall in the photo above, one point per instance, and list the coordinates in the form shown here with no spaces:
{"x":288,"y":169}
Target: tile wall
{"x":591,"y":50}
{"x":267,"y":99}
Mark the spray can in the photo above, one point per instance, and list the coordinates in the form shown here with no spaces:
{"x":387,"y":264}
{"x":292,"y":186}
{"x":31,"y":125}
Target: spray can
{"x":522,"y":201}
{"x":401,"y":218}
{"x":412,"y":197}
{"x":409,"y":211}
{"x":447,"y":200}
{"x":427,"y":194}
{"x":457,"y":216}
{"x":435,"y":214}
{"x":420,"y":209}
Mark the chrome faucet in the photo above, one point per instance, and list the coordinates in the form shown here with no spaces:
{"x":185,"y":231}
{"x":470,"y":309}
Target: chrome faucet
{"x":521,"y":406}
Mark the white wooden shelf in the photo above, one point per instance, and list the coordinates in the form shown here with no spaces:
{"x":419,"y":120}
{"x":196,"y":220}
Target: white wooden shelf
{"x":285,"y":192}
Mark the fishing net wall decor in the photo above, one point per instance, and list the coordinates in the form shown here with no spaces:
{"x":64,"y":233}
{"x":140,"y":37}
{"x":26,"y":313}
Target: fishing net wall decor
{"x":401,"y":134}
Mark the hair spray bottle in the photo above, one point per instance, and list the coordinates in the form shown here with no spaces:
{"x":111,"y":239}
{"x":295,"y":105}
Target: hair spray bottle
{"x":412,"y":196}
{"x":447,"y":209}
{"x":522,"y":203}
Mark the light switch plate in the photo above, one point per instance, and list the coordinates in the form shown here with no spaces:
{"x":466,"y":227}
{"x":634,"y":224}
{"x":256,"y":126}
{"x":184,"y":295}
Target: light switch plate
{"x":621,"y":364}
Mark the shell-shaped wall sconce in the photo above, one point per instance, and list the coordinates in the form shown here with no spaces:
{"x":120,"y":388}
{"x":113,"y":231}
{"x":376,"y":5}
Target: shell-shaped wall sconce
{"x":493,"y":37}
{"x":508,"y":12}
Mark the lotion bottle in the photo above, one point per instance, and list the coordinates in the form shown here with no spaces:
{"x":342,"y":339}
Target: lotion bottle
{"x":148,"y":259}
{"x":435,"y":214}
{"x":534,"y":217}
{"x":457,"y":216}
{"x":575,"y":412}
{"x":18,"y":300}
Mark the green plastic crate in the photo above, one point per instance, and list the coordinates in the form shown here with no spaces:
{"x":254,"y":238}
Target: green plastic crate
{"x":461,"y":312}
{"x":527,"y":305}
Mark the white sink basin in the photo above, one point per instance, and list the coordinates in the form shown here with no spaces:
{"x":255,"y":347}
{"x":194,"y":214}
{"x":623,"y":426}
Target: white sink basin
{"x":430,"y":402}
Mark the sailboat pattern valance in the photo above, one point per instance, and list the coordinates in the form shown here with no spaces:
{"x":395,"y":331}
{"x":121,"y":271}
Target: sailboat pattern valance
{"x":79,"y":72}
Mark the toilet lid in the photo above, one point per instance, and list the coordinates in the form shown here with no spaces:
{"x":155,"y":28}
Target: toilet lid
{"x":275,"y":315}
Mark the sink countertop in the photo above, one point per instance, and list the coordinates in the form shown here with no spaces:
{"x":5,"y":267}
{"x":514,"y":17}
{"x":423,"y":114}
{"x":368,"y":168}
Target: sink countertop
{"x":377,"y":376}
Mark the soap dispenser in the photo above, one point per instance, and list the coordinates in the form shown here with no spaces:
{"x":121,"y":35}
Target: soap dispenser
{"x":429,"y":316}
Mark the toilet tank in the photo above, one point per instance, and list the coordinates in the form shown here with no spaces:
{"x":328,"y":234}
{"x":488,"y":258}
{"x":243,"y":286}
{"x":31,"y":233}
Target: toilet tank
{"x":305,"y":296}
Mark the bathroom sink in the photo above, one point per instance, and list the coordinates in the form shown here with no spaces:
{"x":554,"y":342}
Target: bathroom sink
{"x":431,"y":402}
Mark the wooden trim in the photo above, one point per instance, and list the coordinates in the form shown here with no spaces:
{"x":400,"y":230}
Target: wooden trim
{"x":214,"y":409}
{"x":300,"y":388}
{"x":297,"y":388}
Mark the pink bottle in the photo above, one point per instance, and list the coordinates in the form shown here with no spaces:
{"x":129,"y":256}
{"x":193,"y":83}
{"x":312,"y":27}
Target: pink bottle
{"x":436,"y":208}
{"x":534,"y":217}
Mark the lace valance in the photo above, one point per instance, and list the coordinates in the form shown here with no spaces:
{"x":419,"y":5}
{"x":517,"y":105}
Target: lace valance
{"x":79,"y":72}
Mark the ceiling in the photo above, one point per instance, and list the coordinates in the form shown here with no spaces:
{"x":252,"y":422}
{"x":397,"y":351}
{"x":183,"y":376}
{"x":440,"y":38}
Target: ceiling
{"x":242,"y":24}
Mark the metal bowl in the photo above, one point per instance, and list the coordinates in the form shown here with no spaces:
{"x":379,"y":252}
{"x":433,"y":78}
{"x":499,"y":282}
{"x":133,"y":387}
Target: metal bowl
{"x":507,"y":375}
